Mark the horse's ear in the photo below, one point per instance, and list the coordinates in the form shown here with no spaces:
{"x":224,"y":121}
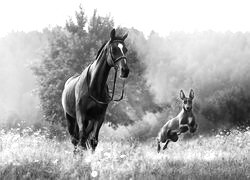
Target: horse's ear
{"x":112,"y":34}
{"x":182,"y":95}
{"x":191,"y":94}
{"x":125,"y":36}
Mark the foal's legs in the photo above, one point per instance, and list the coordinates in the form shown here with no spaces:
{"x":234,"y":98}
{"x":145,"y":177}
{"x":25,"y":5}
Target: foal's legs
{"x":165,"y":146}
{"x":158,"y":145}
{"x":192,"y":126}
{"x":172,"y":136}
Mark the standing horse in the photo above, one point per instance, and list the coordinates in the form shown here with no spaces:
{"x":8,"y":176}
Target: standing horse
{"x":85,"y":97}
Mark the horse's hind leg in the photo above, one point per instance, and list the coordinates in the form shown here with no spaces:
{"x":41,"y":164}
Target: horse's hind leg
{"x":73,"y":129}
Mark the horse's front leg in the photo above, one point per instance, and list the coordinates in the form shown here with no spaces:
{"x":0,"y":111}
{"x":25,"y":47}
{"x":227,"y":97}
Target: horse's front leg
{"x":95,"y":134}
{"x":81,"y":118}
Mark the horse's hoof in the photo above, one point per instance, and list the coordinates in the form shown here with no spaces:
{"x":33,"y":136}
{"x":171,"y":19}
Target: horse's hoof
{"x":83,"y":145}
{"x":76,"y":151}
{"x":93,"y":150}
{"x":93,"y":144}
{"x":74,"y":141}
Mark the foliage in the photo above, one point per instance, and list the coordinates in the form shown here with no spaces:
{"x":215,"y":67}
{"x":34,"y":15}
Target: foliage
{"x":70,"y":50}
{"x":229,"y":106}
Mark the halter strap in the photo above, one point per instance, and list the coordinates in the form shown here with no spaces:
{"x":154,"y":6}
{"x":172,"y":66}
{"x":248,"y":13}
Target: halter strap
{"x":114,"y":61}
{"x":113,"y":89}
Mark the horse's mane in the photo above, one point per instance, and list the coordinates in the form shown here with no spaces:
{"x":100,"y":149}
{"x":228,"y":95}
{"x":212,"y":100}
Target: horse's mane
{"x":100,"y":50}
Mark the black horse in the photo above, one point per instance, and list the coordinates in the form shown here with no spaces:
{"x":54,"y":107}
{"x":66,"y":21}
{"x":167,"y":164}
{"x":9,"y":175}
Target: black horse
{"x":85,"y":97}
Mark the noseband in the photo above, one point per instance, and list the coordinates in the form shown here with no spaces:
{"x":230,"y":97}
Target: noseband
{"x":116,"y":67}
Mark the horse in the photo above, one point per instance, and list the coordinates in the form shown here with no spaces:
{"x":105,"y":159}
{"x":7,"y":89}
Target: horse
{"x":183,"y":122}
{"x":85,"y":97}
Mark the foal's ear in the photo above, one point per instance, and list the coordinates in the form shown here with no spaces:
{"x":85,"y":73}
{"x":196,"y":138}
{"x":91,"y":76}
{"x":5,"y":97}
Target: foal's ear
{"x":182,"y":95}
{"x":112,"y":34}
{"x":191,"y":94}
{"x":125,"y":36}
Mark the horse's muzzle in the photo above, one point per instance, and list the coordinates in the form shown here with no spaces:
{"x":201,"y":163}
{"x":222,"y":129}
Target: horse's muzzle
{"x":124,"y":73}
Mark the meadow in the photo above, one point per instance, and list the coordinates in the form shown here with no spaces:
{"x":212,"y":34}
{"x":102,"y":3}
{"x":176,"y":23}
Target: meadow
{"x":29,"y":154}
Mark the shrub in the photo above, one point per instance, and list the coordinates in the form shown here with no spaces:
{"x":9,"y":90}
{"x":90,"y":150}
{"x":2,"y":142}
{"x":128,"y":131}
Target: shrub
{"x":229,"y":107}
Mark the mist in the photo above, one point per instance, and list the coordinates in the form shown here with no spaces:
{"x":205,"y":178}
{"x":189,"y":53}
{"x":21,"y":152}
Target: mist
{"x":206,"y":62}
{"x":19,"y":103}
{"x":215,"y":65}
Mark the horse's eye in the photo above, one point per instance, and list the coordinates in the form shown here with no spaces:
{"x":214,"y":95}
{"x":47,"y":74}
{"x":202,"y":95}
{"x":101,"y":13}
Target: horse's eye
{"x":114,"y":50}
{"x":125,"y":50}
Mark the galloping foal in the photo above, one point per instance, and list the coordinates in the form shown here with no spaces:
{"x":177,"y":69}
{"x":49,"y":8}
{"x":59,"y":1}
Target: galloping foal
{"x":183,"y":122}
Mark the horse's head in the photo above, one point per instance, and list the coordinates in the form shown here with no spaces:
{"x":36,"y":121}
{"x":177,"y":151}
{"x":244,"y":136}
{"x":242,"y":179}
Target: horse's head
{"x":187,"y":101}
{"x":118,"y":50}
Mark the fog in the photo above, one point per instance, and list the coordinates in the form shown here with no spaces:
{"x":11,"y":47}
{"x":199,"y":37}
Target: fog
{"x":205,"y":61}
{"x":215,"y":65}
{"x":19,"y":103}
{"x":209,"y":62}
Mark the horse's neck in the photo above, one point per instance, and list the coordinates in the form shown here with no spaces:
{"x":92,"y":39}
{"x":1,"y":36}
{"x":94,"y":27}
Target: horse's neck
{"x":99,"y":75}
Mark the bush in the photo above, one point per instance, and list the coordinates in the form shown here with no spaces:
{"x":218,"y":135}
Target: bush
{"x":228,"y":107}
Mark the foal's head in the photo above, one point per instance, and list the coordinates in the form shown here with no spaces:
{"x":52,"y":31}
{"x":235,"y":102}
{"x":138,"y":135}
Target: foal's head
{"x":187,"y":101}
{"x":118,"y":50}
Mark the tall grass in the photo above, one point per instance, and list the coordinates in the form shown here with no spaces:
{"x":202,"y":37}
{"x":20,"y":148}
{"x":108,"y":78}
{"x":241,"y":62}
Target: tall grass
{"x":28,"y":154}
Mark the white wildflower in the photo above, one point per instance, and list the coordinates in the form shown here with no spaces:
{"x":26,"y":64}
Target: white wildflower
{"x":94,"y":174}
{"x":108,"y":155}
{"x":55,"y":161}
{"x":122,"y":156}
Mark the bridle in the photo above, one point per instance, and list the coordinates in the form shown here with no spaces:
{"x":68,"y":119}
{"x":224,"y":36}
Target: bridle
{"x":116,"y":67}
{"x":114,"y":61}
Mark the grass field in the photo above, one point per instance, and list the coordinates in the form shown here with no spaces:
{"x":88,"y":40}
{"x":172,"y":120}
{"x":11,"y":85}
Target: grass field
{"x":25,"y":154}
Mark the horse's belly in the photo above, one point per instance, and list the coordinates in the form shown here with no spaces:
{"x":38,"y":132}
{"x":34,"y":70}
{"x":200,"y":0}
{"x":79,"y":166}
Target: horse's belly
{"x":68,"y":100}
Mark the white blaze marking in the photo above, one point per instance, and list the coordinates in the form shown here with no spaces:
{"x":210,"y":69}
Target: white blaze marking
{"x":121,"y":47}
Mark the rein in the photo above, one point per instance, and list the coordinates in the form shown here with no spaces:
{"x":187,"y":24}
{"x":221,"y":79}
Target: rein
{"x":114,"y":83}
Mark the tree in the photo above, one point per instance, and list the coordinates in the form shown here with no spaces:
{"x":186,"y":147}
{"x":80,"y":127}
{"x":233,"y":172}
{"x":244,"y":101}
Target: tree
{"x":61,"y":58}
{"x":69,"y":47}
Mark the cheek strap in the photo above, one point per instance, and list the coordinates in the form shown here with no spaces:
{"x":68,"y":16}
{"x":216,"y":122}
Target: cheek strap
{"x":112,"y":61}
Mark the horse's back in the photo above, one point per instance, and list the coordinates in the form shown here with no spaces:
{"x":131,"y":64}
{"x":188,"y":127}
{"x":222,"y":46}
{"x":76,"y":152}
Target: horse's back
{"x":68,"y":95}
{"x":72,"y":79}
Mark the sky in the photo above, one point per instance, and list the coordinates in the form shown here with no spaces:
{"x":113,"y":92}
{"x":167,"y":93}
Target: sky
{"x":162,"y":16}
